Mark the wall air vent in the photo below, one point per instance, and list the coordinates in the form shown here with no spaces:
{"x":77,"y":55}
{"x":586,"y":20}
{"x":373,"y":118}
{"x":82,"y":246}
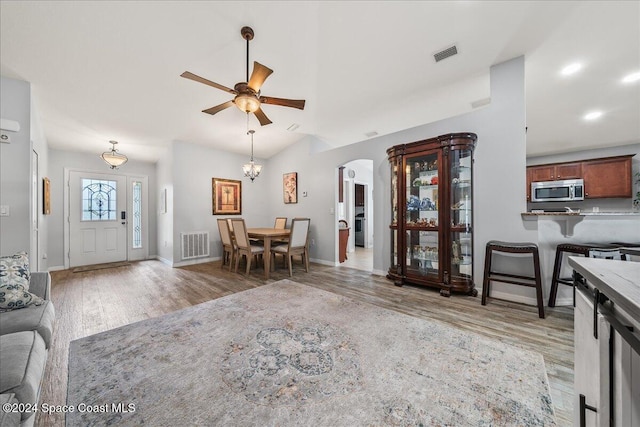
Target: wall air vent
{"x":444,"y":54}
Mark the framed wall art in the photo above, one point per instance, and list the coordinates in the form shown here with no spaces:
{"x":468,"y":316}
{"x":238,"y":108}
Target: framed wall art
{"x":46,"y":196}
{"x":290,"y":187}
{"x":227,"y":196}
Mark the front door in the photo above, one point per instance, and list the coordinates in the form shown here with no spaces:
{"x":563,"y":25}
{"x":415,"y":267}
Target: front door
{"x":97,"y":218}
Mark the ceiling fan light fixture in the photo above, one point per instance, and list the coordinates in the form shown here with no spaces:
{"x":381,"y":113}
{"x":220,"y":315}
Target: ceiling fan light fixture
{"x":247,"y":103}
{"x":113,"y":158}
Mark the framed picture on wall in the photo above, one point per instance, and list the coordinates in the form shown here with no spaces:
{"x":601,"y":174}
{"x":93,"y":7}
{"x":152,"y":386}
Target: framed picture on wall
{"x":46,"y":196}
{"x":227,"y":196}
{"x":290,"y":187}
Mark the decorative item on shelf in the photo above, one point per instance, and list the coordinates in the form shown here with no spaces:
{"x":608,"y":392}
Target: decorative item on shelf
{"x":113,"y":158}
{"x":251,"y":170}
{"x":434,"y":180}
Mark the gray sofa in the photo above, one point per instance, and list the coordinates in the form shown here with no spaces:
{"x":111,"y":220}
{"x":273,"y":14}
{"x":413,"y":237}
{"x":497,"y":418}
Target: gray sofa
{"x":25,"y":338}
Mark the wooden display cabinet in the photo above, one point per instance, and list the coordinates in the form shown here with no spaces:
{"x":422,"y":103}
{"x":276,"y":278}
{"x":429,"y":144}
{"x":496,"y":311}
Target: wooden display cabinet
{"x":432,"y":213}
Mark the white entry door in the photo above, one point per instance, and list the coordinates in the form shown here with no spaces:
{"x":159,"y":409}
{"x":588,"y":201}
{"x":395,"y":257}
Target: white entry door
{"x":97,"y":218}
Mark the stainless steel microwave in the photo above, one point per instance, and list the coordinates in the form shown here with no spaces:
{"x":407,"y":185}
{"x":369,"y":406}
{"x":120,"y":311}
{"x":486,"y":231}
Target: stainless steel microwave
{"x":568,"y":190}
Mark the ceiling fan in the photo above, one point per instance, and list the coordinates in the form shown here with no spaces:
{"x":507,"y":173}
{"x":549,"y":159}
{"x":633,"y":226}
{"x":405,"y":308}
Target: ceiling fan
{"x":248,"y":97}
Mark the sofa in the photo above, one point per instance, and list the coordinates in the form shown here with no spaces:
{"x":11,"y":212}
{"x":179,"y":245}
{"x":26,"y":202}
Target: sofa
{"x":25,"y":338}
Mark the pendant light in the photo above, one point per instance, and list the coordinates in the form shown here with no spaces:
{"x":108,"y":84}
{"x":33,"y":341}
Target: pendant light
{"x":113,"y":158}
{"x":251,"y":170}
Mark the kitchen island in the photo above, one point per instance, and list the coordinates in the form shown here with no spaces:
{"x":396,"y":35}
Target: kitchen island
{"x":554,"y":228}
{"x":607,"y":342}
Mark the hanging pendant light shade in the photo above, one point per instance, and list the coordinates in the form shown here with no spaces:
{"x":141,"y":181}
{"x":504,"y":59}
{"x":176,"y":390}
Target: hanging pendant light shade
{"x":251,"y":170}
{"x":113,"y":158}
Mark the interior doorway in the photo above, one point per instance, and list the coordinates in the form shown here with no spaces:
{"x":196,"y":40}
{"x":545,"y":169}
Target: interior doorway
{"x":357,"y":210}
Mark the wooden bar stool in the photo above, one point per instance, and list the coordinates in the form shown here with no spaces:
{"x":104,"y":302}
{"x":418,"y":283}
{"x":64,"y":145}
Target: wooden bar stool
{"x":513,"y":248}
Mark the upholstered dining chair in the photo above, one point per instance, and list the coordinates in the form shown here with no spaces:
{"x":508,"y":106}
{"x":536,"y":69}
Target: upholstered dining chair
{"x":244,"y":244}
{"x":281,"y":223}
{"x":229,"y":248}
{"x":298,"y":244}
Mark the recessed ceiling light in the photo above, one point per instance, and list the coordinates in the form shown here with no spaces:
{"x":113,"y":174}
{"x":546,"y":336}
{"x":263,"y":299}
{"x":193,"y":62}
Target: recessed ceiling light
{"x":571,"y":69}
{"x":593,"y":115}
{"x":371,"y":134}
{"x":633,"y":77}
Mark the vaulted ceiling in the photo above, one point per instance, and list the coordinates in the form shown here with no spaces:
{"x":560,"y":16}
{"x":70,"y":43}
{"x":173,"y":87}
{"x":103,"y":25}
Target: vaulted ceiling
{"x":107,"y":70}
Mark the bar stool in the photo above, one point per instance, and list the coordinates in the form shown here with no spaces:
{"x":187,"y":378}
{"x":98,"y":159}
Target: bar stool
{"x":513,"y":248}
{"x":572,"y":248}
{"x":593,"y":250}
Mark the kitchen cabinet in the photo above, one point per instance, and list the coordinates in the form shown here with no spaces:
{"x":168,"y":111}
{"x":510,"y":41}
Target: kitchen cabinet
{"x":591,"y":366}
{"x":432,"y":213}
{"x":556,"y":172}
{"x":607,"y":342}
{"x":610,"y":177}
{"x":606,"y":177}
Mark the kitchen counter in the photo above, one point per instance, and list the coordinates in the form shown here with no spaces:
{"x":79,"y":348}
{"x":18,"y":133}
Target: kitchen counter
{"x":618,"y":280}
{"x":526,"y":215}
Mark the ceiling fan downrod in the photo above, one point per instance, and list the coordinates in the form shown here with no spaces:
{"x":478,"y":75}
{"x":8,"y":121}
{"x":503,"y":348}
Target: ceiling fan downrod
{"x":247,"y":34}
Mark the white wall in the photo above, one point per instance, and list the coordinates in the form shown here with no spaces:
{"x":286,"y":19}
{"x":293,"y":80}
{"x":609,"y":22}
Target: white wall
{"x":164,"y":175}
{"x":500,"y":174}
{"x":58,"y":161}
{"x":193,"y":167}
{"x":15,"y":168}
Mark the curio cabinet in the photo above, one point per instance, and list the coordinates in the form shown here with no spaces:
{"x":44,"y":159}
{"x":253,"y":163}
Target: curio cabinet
{"x":432,"y":213}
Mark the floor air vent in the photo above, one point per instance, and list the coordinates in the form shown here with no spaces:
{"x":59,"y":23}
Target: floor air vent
{"x":444,"y":54}
{"x":195,"y":244}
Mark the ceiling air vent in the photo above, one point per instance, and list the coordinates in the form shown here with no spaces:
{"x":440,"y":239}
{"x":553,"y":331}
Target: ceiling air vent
{"x":443,"y":54}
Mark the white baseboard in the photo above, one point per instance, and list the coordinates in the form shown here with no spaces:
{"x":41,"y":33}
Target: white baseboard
{"x":196,"y":261}
{"x":324,"y":262}
{"x":164,"y":261}
{"x":379,"y":272}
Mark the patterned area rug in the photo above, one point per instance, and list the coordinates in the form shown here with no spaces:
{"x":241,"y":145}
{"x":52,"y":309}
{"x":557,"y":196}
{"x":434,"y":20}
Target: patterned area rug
{"x":288,"y":354}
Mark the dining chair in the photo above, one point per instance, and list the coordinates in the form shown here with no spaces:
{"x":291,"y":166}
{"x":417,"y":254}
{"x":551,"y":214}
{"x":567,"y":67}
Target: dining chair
{"x":298,"y":244}
{"x":281,"y":223}
{"x":244,"y":244}
{"x":229,"y":248}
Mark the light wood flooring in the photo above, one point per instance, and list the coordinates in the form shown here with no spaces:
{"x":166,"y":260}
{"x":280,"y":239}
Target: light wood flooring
{"x":91,"y":302}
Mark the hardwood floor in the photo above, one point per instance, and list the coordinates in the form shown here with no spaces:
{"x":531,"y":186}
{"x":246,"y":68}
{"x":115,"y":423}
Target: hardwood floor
{"x":91,"y":302}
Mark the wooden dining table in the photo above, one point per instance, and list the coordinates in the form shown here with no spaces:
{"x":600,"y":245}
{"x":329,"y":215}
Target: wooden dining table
{"x":267,"y":235}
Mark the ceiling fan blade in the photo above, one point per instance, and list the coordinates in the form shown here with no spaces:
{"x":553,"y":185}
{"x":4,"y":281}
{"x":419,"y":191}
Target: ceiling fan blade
{"x":262,"y":118}
{"x":218,"y":108}
{"x":258,"y":76}
{"x":293,"y":103}
{"x":191,"y":76}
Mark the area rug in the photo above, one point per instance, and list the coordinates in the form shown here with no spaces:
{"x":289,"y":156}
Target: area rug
{"x":287,"y":354}
{"x":100,"y":266}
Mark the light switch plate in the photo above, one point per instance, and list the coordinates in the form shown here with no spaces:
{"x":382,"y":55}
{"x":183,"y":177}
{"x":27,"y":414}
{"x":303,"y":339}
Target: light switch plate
{"x":4,"y":210}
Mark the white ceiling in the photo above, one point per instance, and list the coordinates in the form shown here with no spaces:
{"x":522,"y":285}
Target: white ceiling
{"x":103,"y":70}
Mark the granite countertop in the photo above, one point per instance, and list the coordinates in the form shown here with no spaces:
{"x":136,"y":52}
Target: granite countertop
{"x":580,"y":213}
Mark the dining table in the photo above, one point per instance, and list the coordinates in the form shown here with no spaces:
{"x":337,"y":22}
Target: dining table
{"x":268,"y":235}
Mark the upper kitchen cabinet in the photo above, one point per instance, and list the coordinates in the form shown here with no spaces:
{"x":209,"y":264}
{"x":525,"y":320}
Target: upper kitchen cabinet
{"x":556,"y":172}
{"x":603,"y":178}
{"x":610,"y":177}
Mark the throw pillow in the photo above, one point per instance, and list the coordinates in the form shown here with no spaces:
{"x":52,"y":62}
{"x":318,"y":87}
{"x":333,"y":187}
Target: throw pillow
{"x":13,"y":295}
{"x":15,"y":266}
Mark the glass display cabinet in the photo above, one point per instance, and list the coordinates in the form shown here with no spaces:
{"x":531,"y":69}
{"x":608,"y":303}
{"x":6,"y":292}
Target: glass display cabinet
{"x":432,"y":213}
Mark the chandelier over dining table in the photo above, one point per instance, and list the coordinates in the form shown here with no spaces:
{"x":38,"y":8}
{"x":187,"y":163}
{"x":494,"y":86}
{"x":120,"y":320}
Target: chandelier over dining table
{"x":251,"y":169}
